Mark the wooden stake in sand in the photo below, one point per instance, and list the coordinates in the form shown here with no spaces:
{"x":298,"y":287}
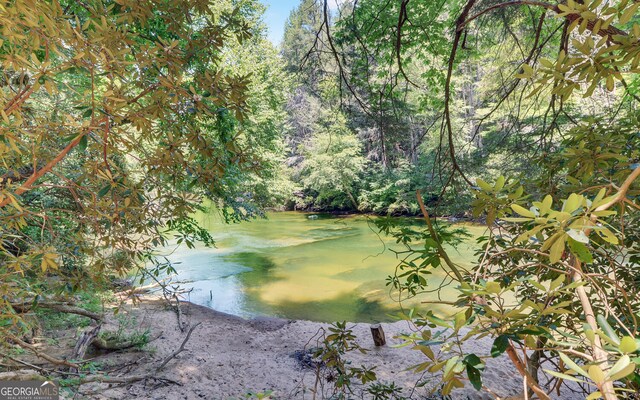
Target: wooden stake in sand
{"x":378,"y":335}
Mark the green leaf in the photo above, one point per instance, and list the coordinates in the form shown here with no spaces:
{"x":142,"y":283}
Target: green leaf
{"x":493,"y":287}
{"x":527,"y":235}
{"x":522,"y":211}
{"x":484,"y":185}
{"x":460,"y":320}
{"x":629,"y":13}
{"x":516,"y":219}
{"x":546,"y":204}
{"x":82,"y":144}
{"x":103,"y":192}
{"x":449,"y":366}
{"x":499,"y":346}
{"x":621,"y":368}
{"x":563,"y":376}
{"x":626,"y":371}
{"x":474,"y":361}
{"x":572,"y":203}
{"x":597,"y":203}
{"x":474,"y":377}
{"x":550,"y":241}
{"x":557,"y":282}
{"x":610,"y":83}
{"x":572,"y":365}
{"x":607,"y":329}
{"x":580,"y":250}
{"x":527,"y":72}
{"x":537,"y":285}
{"x":607,"y":235}
{"x":596,"y":374}
{"x":437,"y":321}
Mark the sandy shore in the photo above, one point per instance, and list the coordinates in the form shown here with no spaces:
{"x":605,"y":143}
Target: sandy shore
{"x":228,"y":357}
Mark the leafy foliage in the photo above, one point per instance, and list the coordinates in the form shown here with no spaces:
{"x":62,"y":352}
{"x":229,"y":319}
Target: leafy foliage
{"x":554,"y":279}
{"x":118,"y":119}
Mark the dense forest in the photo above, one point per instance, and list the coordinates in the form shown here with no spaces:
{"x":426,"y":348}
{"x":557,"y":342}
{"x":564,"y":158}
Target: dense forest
{"x":120,"y":119}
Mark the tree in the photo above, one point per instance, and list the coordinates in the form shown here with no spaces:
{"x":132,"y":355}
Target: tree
{"x":118,"y":118}
{"x":556,"y":277}
{"x":333,"y":163}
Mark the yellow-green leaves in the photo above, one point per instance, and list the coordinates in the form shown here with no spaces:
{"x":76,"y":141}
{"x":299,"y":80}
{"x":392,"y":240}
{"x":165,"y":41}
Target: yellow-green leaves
{"x":493,"y":287}
{"x":571,"y":225}
{"x":629,"y":13}
{"x":606,"y":235}
{"x":523,"y":211}
{"x":545,"y":205}
{"x":597,"y":55}
{"x":596,"y":374}
{"x":526,"y":73}
{"x":580,"y":250}
{"x":569,"y":363}
{"x":557,"y":249}
{"x":49,"y":260}
{"x":482,"y":184}
{"x":609,"y":333}
{"x":525,"y":236}
{"x":459,"y":321}
{"x":573,"y":203}
{"x":628,"y":345}
{"x":494,"y":198}
{"x":621,"y":369}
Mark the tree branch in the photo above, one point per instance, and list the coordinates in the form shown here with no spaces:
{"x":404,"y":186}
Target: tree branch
{"x":37,"y":175}
{"x":610,"y":31}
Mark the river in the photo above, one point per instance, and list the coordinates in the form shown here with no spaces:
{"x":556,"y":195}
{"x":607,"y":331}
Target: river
{"x":300,"y":266}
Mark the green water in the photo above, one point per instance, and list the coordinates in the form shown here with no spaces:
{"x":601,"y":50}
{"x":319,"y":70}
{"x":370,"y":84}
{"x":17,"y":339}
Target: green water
{"x":298,"y":266}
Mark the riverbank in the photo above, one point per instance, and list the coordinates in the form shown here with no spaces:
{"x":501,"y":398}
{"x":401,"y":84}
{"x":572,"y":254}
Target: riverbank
{"x":228,"y":357}
{"x":417,"y":216}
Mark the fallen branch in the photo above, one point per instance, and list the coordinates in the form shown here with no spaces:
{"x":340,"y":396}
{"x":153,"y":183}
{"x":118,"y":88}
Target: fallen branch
{"x":40,"y":354}
{"x":26,"y":364}
{"x":138,"y":290}
{"x":22,"y":375}
{"x":60,"y":307}
{"x":180,"y":350}
{"x":86,"y":338}
{"x":107,"y":345}
{"x":122,"y":379}
{"x":181,"y":325}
